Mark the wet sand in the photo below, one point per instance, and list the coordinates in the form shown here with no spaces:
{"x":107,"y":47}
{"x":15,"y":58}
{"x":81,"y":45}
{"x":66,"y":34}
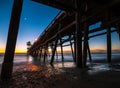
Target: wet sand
{"x":98,"y":75}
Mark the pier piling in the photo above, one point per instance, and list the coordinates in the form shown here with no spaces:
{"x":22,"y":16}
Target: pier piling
{"x":7,"y":66}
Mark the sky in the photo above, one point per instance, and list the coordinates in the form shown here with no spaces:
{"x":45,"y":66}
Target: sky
{"x":35,"y":18}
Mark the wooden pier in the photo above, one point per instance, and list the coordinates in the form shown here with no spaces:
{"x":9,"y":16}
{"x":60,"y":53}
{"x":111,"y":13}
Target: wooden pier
{"x":73,"y":22}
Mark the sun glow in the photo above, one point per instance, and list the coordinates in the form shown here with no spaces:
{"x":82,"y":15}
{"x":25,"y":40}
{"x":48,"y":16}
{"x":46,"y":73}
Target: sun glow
{"x":2,"y":50}
{"x":20,"y":51}
{"x":16,"y":51}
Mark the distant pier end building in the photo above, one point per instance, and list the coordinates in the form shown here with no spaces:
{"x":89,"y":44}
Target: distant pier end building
{"x":28,"y":46}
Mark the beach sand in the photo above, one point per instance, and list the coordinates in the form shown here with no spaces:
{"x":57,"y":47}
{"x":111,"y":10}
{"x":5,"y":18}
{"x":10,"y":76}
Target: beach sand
{"x":28,"y":75}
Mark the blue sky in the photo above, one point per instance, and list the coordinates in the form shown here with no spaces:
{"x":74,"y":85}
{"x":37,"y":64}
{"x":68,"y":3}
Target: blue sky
{"x":34,"y":19}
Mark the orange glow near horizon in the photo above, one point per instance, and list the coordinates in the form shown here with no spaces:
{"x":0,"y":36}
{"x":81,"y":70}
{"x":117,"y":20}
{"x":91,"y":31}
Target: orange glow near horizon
{"x":16,"y":51}
{"x":19,"y":48}
{"x":65,"y":49}
{"x":2,"y":50}
{"x":94,"y":49}
{"x":20,"y":51}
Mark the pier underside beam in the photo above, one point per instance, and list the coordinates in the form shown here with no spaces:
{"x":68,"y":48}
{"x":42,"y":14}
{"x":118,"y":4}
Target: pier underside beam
{"x":7,"y":66}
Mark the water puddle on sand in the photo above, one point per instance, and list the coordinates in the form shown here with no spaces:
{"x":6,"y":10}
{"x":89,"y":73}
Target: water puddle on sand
{"x":92,"y":69}
{"x":101,"y":67}
{"x":64,"y":65}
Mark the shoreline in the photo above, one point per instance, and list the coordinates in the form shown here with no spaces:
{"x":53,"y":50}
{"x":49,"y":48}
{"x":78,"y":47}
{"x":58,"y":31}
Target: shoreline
{"x":97,"y":75}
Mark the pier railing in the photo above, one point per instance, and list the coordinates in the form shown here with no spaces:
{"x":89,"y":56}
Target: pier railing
{"x":50,"y":24}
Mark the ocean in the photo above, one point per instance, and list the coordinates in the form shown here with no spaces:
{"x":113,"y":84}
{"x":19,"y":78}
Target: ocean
{"x":18,"y":58}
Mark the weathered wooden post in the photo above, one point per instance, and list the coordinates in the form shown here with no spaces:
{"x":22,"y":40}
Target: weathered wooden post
{"x":108,"y":39}
{"x":45,"y":53}
{"x":78,"y":40}
{"x":85,"y":44}
{"x":7,"y":66}
{"x":40,"y":52}
{"x":61,"y":50}
{"x":118,"y":30}
{"x":56,"y":55}
{"x":109,"y":45}
{"x":53,"y":51}
{"x":44,"y":56}
{"x":72,"y":49}
{"x":90,"y":57}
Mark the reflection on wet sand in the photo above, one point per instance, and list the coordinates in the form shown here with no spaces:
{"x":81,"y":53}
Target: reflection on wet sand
{"x":33,"y":74}
{"x":92,"y":69}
